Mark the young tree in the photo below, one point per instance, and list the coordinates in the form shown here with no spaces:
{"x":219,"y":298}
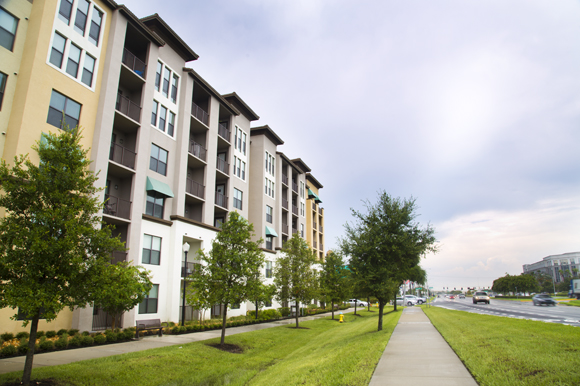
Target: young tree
{"x":334,"y":279}
{"x":294,"y":277}
{"x":264,"y":294}
{"x":120,"y":288}
{"x":52,"y":242}
{"x":198,"y":296}
{"x":228,"y":270}
{"x":384,"y":244}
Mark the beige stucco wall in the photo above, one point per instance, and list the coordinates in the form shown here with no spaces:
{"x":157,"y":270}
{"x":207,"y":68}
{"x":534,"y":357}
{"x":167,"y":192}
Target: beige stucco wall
{"x":63,"y":320}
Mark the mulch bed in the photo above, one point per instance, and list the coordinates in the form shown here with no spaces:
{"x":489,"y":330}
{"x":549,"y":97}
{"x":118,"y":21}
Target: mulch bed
{"x":231,"y":348}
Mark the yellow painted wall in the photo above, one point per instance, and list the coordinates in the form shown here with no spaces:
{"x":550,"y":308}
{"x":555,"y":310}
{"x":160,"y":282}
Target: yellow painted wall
{"x":63,"y":320}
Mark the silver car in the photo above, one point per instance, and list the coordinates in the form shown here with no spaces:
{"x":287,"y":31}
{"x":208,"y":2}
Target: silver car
{"x":406,"y":301}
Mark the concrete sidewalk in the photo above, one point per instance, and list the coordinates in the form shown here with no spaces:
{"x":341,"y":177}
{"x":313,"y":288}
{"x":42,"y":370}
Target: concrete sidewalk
{"x":54,"y":358}
{"x":418,"y":355}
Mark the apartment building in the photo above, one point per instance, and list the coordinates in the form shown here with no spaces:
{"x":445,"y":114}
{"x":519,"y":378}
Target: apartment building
{"x":555,"y":266}
{"x":314,"y":217}
{"x":174,"y":156}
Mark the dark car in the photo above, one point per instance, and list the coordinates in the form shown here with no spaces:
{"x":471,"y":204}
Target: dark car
{"x":543,"y":299}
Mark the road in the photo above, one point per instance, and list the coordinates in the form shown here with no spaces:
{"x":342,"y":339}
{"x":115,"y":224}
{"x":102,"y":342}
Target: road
{"x":515,"y":309}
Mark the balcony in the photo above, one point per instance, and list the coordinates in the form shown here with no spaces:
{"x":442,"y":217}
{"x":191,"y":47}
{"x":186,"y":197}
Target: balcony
{"x":194,"y":188}
{"x":284,"y":228}
{"x":221,"y":200}
{"x":315,"y":244}
{"x":294,"y":187}
{"x":197,"y":150}
{"x":285,"y":179}
{"x":294,"y":230}
{"x":320,"y":211}
{"x":224,"y":132}
{"x":285,"y":203}
{"x":134,"y":63}
{"x":187,"y":270}
{"x":314,"y":225}
{"x":118,"y":257}
{"x":294,"y":210}
{"x":223,"y":166}
{"x":117,"y":207}
{"x":122,"y":155}
{"x":128,"y":107}
{"x":321,"y":229}
{"x":199,"y":113}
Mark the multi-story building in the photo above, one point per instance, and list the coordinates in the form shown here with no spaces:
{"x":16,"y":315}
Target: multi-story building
{"x":174,"y":156}
{"x":315,"y":216}
{"x":556,"y":266}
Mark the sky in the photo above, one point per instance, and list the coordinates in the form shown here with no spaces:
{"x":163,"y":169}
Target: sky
{"x":470,"y":107}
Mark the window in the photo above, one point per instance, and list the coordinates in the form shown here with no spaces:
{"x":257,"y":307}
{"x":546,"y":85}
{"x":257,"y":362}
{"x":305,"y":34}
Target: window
{"x":88,"y":70}
{"x":162,"y":118}
{"x":151,"y":249}
{"x":74,"y":58}
{"x":244,"y":143}
{"x":302,"y":209}
{"x":171,"y":123}
{"x":243,"y":177}
{"x":158,"y":76}
{"x":57,"y":52}
{"x":269,"y":242}
{"x":166,"y":76}
{"x":95,"y":30}
{"x":269,"y":188}
{"x":149,"y":304}
{"x":302,"y":230}
{"x":174,"y":84}
{"x":269,"y":214}
{"x":268,"y":269}
{"x":238,"y":199}
{"x":158,"y":161}
{"x":154,"y":113}
{"x":302,"y":189}
{"x":3,"y":79}
{"x":8,"y":25}
{"x":81,"y":17}
{"x":218,"y":222}
{"x":268,"y":303}
{"x":65,"y":10}
{"x":155,"y":203}
{"x":63,"y":112}
{"x":235,"y":306}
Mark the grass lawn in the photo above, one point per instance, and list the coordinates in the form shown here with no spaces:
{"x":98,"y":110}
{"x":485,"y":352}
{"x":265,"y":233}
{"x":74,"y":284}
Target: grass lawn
{"x":505,"y":351}
{"x":573,"y":303}
{"x":325,"y":353}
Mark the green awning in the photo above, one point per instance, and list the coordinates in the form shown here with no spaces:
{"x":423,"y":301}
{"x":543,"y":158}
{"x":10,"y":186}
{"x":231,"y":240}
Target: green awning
{"x":159,"y":187}
{"x":271,"y":232}
{"x":313,"y":195}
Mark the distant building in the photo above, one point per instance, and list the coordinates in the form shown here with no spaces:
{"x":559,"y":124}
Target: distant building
{"x":555,"y":265}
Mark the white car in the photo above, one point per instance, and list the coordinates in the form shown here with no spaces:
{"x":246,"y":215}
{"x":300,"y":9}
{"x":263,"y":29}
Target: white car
{"x":359,"y":303}
{"x":407,"y":301}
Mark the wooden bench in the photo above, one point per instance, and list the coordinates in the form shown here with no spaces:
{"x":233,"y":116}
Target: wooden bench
{"x":150,"y":324}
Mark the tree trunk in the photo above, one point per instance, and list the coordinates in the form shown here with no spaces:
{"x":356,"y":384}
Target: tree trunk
{"x":224,"y":325}
{"x":355,"y":308}
{"x":368,"y":304}
{"x":381,"y":308}
{"x":30,"y":354}
{"x":332,"y":303}
{"x":257,"y":309}
{"x":114,"y":316}
{"x":395,"y":303}
{"x":297,"y":312}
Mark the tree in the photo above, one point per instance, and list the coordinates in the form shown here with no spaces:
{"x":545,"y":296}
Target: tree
{"x":384,"y":244}
{"x":512,"y":283}
{"x":228,"y":271}
{"x":52,"y":242}
{"x":264,"y":294}
{"x":120,"y":288}
{"x":294,"y":277}
{"x":334,"y":279}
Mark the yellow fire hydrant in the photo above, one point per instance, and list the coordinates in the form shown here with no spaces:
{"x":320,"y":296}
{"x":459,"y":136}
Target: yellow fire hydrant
{"x":341,"y":318}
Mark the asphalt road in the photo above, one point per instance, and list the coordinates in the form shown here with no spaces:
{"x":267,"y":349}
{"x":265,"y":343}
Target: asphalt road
{"x":515,"y":309}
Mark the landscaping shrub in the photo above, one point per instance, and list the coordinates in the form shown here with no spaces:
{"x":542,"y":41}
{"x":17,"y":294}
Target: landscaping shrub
{"x":110,"y":336}
{"x":50,"y":334}
{"x":87,"y":340}
{"x":174,"y":330}
{"x":189,"y":327}
{"x":62,"y":342}
{"x":23,"y":347}
{"x":22,"y":334}
{"x":269,"y":314}
{"x":73,"y":332}
{"x":39,"y":334}
{"x":86,"y":333}
{"x":62,"y":331}
{"x":100,"y":338}
{"x":129,"y":333}
{"x":8,"y":351}
{"x":75,"y":341}
{"x":284,"y":311}
{"x":7,"y":336}
{"x":46,"y":345}
{"x":182,"y":329}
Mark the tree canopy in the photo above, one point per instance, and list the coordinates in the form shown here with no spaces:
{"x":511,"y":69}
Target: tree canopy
{"x":512,"y":283}
{"x":335,"y":279}
{"x":385,"y":244}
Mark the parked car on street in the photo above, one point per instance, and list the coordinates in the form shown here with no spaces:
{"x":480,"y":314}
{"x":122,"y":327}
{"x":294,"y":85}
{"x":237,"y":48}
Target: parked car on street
{"x":421,"y":300}
{"x":543,"y":299}
{"x":480,"y":297}
{"x":359,"y":303}
{"x":411,"y":301}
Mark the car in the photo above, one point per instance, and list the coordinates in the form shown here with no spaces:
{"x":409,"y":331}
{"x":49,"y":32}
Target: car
{"x":461,"y":296}
{"x":480,"y":297}
{"x":408,"y":301}
{"x":357,"y":302}
{"x":451,"y":296}
{"x":421,"y":300}
{"x":543,"y":299}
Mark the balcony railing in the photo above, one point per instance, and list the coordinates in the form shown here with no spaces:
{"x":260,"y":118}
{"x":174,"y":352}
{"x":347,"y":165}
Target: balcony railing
{"x":117,"y":207}
{"x":223,"y":166}
{"x":314,"y":225}
{"x":321,"y":229}
{"x":122,"y":155}
{"x":294,"y":230}
{"x":320,"y":211}
{"x":195,"y":188}
{"x":321,"y":247}
{"x":294,"y":187}
{"x":128,"y":107}
{"x":285,"y":179}
{"x":285,"y":203}
{"x":118,"y":257}
{"x":315,"y":244}
{"x":197,"y":150}
{"x":224,"y":132}
{"x":199,"y":113}
{"x":314,"y":206}
{"x":295,"y":210}
{"x":221,"y":200}
{"x":187,"y":270}
{"x":134,"y":63}
{"x":285,"y":228}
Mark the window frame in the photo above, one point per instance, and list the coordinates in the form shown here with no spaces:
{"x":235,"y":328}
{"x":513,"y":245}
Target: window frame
{"x":149,"y":301}
{"x":81,"y":29}
{"x":72,"y":47}
{"x":85,"y":70}
{"x":269,"y":242}
{"x":155,"y":163}
{"x":60,"y":8}
{"x":63,"y":121}
{"x":3,"y":82}
{"x":268,"y":270}
{"x":154,"y":114}
{"x":94,"y":26}
{"x":238,"y":200}
{"x":151,"y":249}
{"x":269,"y":214}
{"x":12,"y":34}
{"x":55,"y":50}
{"x":154,"y":204}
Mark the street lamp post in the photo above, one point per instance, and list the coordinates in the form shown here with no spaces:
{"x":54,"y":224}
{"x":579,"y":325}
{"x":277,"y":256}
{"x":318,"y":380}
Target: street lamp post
{"x":185,"y":249}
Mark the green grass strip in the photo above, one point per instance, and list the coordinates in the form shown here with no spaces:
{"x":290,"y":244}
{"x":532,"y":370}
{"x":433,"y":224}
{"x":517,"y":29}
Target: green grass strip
{"x":506,"y":351}
{"x":326,"y":353}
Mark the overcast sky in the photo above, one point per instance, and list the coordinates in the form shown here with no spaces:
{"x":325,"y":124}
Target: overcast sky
{"x":472,"y":107}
